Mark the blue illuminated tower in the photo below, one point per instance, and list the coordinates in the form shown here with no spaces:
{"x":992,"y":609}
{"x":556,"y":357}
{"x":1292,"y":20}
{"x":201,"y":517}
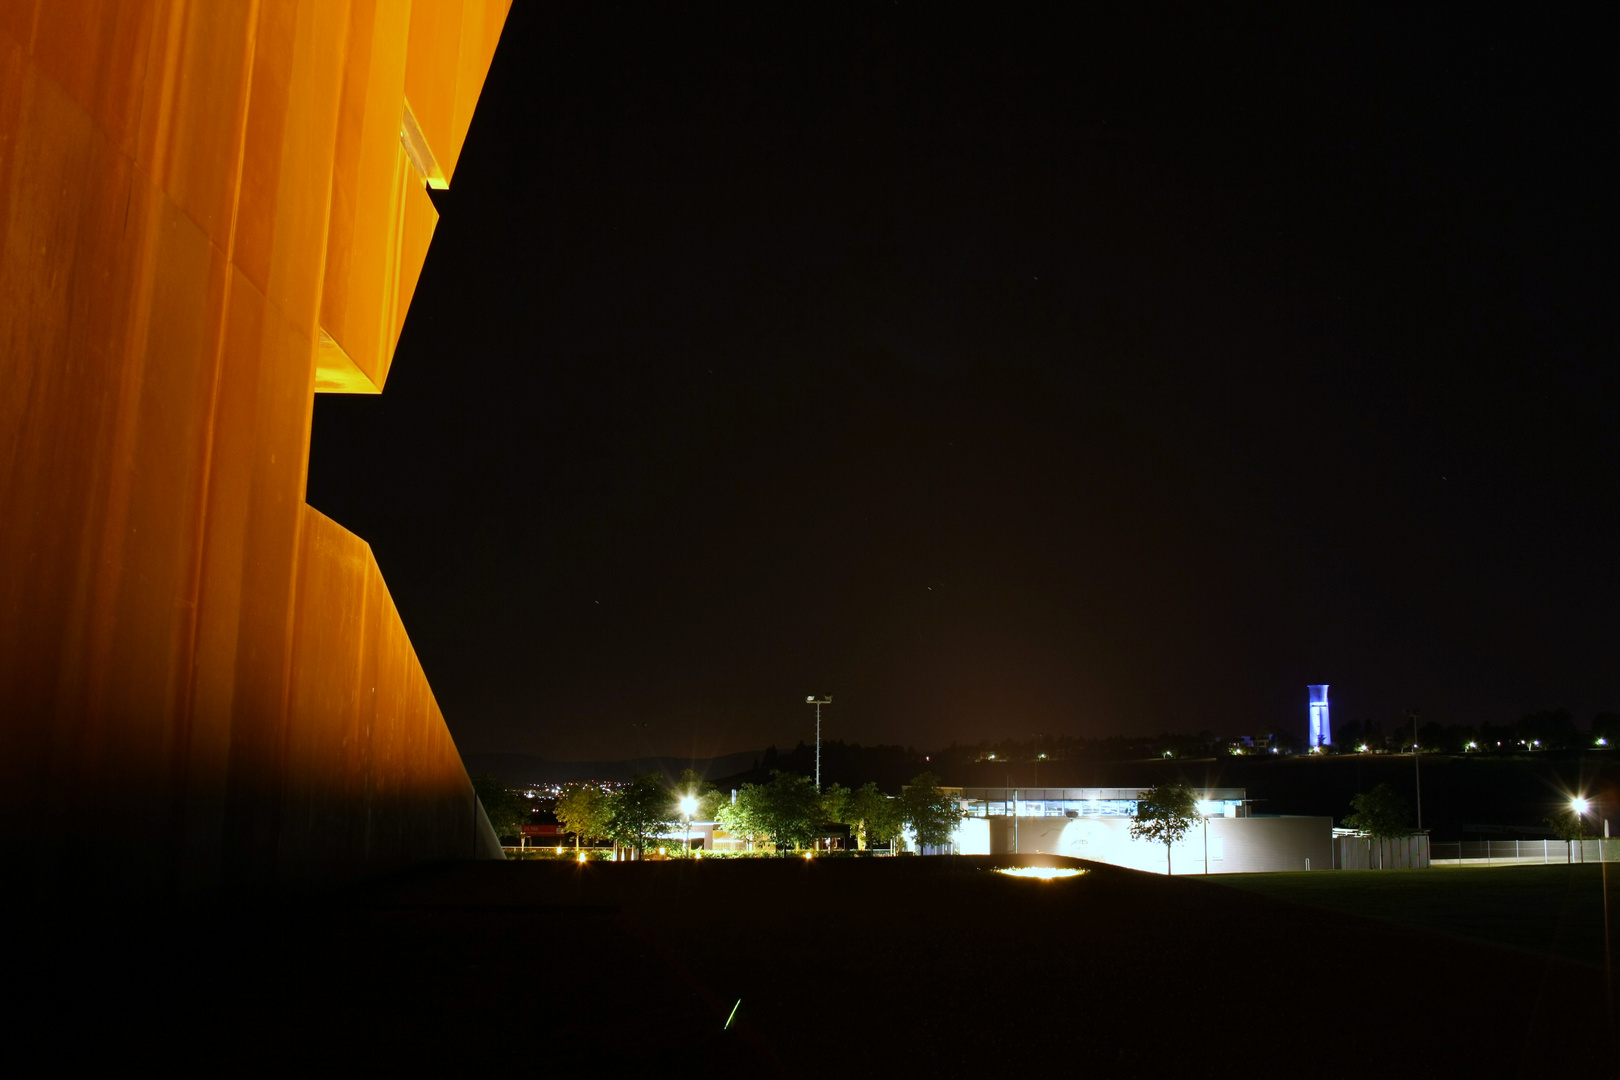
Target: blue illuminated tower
{"x":1321,"y":733}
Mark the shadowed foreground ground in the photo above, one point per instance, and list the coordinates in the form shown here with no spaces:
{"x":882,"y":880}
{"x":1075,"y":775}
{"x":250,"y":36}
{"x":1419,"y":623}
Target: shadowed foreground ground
{"x":892,"y":967}
{"x":1555,"y":909}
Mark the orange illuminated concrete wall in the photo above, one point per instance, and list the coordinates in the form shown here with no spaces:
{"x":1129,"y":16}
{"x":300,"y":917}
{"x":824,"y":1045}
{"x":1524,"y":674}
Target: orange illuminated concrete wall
{"x":209,"y":211}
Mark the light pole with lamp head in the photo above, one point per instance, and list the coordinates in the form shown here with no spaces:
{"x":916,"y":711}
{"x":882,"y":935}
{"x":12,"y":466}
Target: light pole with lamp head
{"x":1417,"y":771}
{"x":818,"y":702}
{"x":1580,"y":806}
{"x":688,"y":808}
{"x":1205,"y":816}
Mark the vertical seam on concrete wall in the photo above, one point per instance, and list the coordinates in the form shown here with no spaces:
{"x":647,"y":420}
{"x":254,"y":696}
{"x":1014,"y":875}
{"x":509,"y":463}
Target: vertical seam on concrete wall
{"x":244,"y":97}
{"x":302,"y":524}
{"x":389,"y":342}
{"x":368,"y":701}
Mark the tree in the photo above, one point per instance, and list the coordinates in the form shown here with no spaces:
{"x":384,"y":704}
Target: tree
{"x":742,"y":818}
{"x":505,"y":810}
{"x":707,"y":795}
{"x":1164,"y":814}
{"x":932,"y":813}
{"x":644,"y":807}
{"x":1570,"y":827}
{"x":1551,"y":728}
{"x":1606,"y":726}
{"x":709,"y":803}
{"x":875,"y":816}
{"x":1380,"y":813}
{"x":888,"y":823}
{"x":835,"y":803}
{"x":788,"y":809}
{"x":586,"y":810}
{"x":1433,"y":736}
{"x":1350,"y":735}
{"x":690,"y":783}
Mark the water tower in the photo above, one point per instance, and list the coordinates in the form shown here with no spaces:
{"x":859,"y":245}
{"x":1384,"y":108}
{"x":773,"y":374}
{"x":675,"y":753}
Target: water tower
{"x":1321,"y":733}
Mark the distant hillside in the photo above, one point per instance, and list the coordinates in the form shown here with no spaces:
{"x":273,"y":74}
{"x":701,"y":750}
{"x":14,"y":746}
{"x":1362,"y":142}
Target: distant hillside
{"x":521,"y":769}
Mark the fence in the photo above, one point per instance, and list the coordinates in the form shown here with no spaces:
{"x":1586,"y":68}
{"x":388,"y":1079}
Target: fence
{"x":1492,"y":852}
{"x":1365,"y":853}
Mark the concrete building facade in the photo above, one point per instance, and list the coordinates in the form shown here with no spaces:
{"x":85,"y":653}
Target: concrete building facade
{"x":209,"y":212}
{"x":1094,"y":823}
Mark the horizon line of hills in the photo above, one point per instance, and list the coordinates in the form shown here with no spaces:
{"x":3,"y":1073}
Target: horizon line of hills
{"x":1462,"y":794}
{"x":1551,"y":730}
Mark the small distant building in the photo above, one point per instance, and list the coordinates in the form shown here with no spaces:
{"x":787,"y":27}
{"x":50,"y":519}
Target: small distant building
{"x":1321,"y":730}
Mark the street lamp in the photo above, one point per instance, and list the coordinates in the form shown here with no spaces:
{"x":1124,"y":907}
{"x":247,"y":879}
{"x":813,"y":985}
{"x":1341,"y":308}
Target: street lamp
{"x":1580,"y":806}
{"x":688,"y":808}
{"x":1417,"y":770}
{"x":1205,"y":816}
{"x":818,"y":702}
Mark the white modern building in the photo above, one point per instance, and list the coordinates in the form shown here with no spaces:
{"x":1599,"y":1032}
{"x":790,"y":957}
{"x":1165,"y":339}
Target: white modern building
{"x":1094,"y":823}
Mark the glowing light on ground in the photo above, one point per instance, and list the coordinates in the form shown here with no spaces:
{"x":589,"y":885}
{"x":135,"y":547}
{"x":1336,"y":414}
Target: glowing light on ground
{"x":1040,"y":873}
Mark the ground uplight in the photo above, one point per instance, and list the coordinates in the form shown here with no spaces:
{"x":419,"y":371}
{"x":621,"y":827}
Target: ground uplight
{"x":1040,"y":873}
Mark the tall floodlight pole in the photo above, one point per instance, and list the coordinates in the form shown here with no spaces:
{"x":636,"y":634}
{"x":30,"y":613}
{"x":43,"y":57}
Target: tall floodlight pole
{"x":1206,"y":841}
{"x":818,"y":702}
{"x":1417,"y":772}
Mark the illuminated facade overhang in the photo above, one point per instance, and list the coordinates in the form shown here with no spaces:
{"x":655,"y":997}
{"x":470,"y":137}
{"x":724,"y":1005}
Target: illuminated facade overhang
{"x":1083,"y":802}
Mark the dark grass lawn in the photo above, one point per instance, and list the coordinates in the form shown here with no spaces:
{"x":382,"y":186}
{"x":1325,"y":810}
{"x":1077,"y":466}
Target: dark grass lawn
{"x":1556,"y":909}
{"x":843,"y":968}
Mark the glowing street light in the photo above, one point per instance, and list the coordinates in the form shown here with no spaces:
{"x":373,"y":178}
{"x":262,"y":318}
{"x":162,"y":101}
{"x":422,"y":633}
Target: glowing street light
{"x":818,"y":702}
{"x":1581,"y":805}
{"x":688,"y":808}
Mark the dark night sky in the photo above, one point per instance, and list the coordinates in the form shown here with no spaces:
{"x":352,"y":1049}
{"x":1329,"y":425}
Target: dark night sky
{"x":1001,"y":376}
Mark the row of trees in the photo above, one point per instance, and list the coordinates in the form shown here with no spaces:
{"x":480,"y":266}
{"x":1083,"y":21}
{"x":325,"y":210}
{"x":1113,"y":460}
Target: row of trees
{"x":787,"y":811}
{"x":1549,"y":729}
